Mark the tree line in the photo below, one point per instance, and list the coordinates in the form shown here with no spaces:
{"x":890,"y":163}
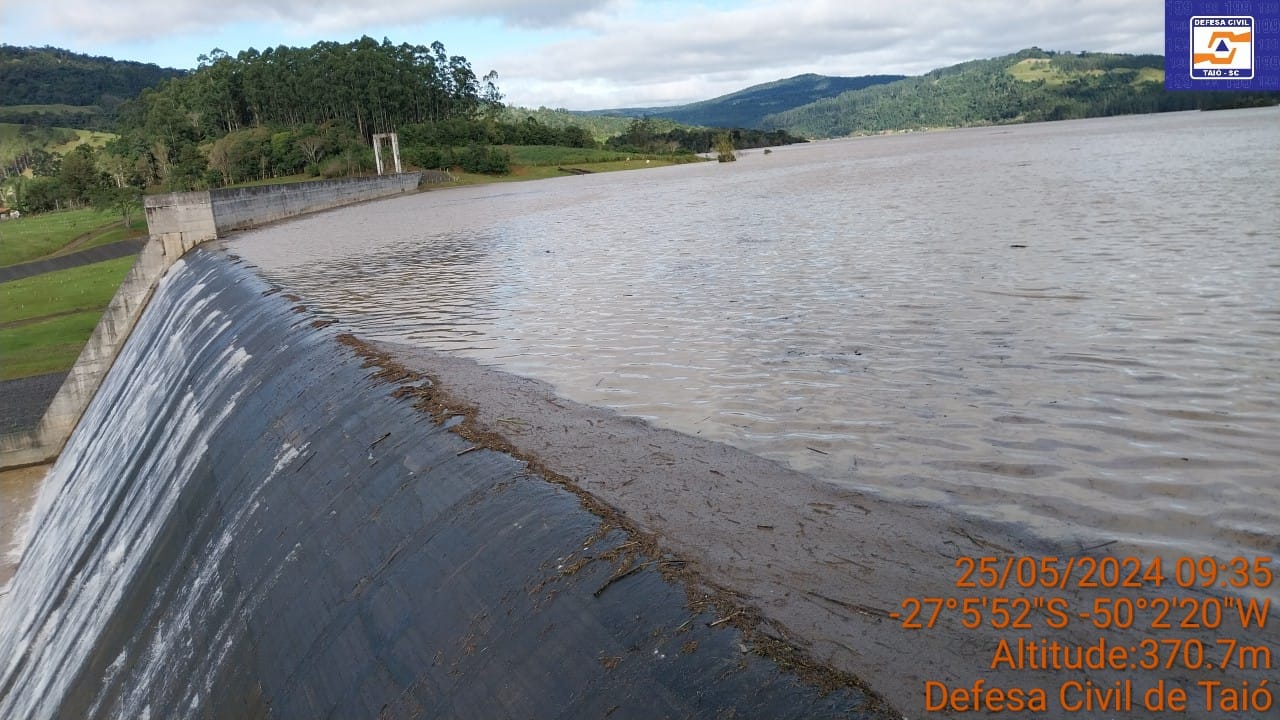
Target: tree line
{"x":284,"y":110}
{"x":256,"y":115}
{"x":644,"y":135}
{"x":86,"y":84}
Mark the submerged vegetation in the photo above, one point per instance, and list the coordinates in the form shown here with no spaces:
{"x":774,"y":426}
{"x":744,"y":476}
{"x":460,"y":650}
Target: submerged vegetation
{"x":724,"y":148}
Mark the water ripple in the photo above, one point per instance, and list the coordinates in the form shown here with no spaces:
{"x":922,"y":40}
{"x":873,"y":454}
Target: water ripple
{"x":940,"y":316}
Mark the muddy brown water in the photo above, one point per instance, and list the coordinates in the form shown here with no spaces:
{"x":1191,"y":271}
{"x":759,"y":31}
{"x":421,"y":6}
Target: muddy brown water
{"x":18,"y":490}
{"x":1071,"y":326}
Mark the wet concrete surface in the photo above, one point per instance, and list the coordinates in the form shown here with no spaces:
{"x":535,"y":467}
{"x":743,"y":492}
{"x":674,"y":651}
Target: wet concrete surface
{"x":253,"y":522}
{"x":830,"y":565}
{"x":391,"y":532}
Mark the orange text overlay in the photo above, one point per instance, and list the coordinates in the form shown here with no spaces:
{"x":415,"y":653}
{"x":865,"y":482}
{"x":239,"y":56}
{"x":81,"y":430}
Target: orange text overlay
{"x":1092,"y":573}
{"x":1070,"y":696}
{"x":1102,"y":613}
{"x":1165,"y":610}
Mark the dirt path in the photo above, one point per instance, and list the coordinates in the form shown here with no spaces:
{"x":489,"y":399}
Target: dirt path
{"x":82,"y":240}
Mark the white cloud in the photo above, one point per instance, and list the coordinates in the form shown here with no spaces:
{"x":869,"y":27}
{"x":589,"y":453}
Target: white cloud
{"x":634,"y":59}
{"x":647,"y":52}
{"x":146,"y":19}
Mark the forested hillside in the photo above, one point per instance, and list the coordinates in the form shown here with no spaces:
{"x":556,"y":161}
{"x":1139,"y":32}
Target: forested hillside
{"x":747,"y":108}
{"x":286,"y":112}
{"x":1028,"y":86}
{"x":57,"y":87}
{"x":267,"y":114}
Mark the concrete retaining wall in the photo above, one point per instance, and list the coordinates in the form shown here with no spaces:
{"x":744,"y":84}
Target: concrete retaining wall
{"x":240,"y":208}
{"x":177,"y":222}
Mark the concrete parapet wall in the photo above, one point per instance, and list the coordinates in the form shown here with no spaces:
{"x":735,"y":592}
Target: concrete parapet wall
{"x":240,"y":208}
{"x":177,"y":223}
{"x":188,"y":213}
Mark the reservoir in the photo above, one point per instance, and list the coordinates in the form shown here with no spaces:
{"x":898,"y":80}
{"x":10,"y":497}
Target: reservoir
{"x":1073,"y":327}
{"x":700,"y":441}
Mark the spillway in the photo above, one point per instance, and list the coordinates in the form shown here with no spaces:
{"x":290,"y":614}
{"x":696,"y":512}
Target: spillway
{"x":247,"y":524}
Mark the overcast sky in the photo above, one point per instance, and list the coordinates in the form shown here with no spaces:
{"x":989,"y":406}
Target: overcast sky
{"x":590,"y":54}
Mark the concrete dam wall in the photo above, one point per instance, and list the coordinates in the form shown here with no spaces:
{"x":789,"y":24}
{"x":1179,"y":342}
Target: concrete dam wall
{"x":178,"y":222}
{"x":248,"y":525}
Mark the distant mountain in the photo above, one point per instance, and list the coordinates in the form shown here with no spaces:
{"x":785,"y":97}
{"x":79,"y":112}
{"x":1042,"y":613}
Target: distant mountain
{"x":39,"y":77}
{"x":747,"y":108}
{"x":1027,"y":86}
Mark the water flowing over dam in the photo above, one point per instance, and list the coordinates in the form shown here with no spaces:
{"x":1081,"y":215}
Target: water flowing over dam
{"x":706,"y":441}
{"x":246,"y":524}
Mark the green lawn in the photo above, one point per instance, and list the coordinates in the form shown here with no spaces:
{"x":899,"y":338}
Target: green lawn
{"x":45,"y":320}
{"x":34,"y":236}
{"x":88,"y":287}
{"x":46,"y":346}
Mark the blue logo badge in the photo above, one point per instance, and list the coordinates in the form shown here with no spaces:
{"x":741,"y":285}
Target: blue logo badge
{"x":1222,"y":45}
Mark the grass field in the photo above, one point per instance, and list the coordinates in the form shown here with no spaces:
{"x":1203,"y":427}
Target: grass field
{"x":45,"y":320}
{"x":35,"y":236}
{"x":17,"y":110}
{"x":1033,"y":69}
{"x":87,"y":287}
{"x":555,"y":155}
{"x":92,"y":138}
{"x":1153,"y":75}
{"x":16,"y":139}
{"x":44,"y":347}
{"x":116,"y":234}
{"x":540,"y":172}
